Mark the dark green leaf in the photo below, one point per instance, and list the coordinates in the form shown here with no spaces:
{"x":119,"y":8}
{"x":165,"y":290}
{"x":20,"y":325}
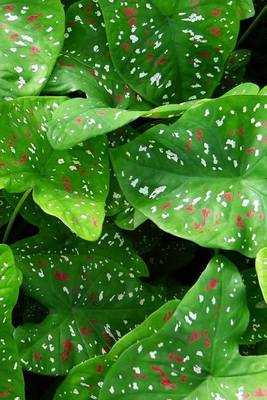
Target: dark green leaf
{"x":11,"y":382}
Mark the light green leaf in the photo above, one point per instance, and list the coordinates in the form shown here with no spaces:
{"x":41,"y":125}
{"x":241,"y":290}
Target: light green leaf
{"x":204,"y":177}
{"x":11,"y":382}
{"x":261,"y":269}
{"x":71,"y":185}
{"x":31,"y":38}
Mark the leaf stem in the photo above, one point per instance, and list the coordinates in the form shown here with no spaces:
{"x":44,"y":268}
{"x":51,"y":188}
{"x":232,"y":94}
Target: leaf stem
{"x":252,"y":26}
{"x":14,"y":215}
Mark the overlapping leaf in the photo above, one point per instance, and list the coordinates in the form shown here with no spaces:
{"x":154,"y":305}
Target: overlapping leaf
{"x":204,"y":177}
{"x":70,"y":185}
{"x":171,"y":51}
{"x":85,"y":380}
{"x":31,"y":38}
{"x":11,"y":382}
{"x":195,"y":355}
{"x":261,"y":267}
{"x":92,"y":292}
{"x":86,"y":64}
{"x":257,"y":329}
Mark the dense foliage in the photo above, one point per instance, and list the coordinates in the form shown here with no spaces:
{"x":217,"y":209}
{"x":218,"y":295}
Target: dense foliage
{"x":133,"y":147}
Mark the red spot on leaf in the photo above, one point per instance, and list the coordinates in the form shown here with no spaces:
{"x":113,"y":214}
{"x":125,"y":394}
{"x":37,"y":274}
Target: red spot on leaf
{"x":240,"y":131}
{"x":149,"y":57}
{"x":94,"y":222}
{"x":228,"y":196}
{"x":9,"y":7}
{"x":118,"y":98}
{"x":217,"y":12}
{"x":91,"y":20}
{"x":66,"y":180}
{"x":261,"y":216}
{"x":183,"y":378}
{"x":37,"y":356}
{"x":216,"y":31}
{"x":99,"y":369}
{"x":85,"y":330}
{"x":232,"y":132}
{"x":132,"y":21}
{"x":32,"y":18}
{"x":260,"y":393}
{"x":250,"y":214}
{"x":14,"y":36}
{"x":2,"y":164}
{"x":23,"y":159}
{"x":204,"y":54}
{"x":194,"y":337}
{"x":140,"y":376}
{"x":4,"y":395}
{"x":129,"y":11}
{"x":250,"y":150}
{"x":61,"y":276}
{"x":167,"y":316}
{"x":239,"y":222}
{"x":126,"y":46}
{"x":88,"y":9}
{"x":212,"y":284}
{"x":162,"y":61}
{"x":35,"y":50}
{"x":190,"y":208}
{"x":78,"y":120}
{"x":68,"y":188}
{"x":166,"y":205}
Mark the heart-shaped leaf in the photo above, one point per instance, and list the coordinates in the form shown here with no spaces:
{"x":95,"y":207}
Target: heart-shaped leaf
{"x":86,"y":379}
{"x":70,"y":185}
{"x":195,"y":355}
{"x":31,"y":38}
{"x":86,"y":64}
{"x":171,"y":51}
{"x":204,"y":177}
{"x":11,"y":382}
{"x":246,"y":8}
{"x":93,"y":293}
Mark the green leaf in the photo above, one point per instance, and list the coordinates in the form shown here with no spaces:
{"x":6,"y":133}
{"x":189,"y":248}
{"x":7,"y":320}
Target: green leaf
{"x":195,"y":355}
{"x":11,"y":383}
{"x":261,"y":267}
{"x":71,"y":185}
{"x":171,"y":51}
{"x":86,"y":64}
{"x":31,"y":38}
{"x":243,"y":89}
{"x":204,"y":177}
{"x":263,"y":91}
{"x":93,"y":293}
{"x":86,"y":379}
{"x":246,"y":8}
{"x":257,"y":329}
{"x":5,"y":209}
{"x":76,"y":121}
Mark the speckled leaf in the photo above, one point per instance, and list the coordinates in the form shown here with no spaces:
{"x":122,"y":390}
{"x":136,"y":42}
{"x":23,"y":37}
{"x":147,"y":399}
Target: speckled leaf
{"x":261,"y":268}
{"x":31,"y":36}
{"x":86,"y":379}
{"x":70,"y":185}
{"x":11,"y":382}
{"x":93,"y":294}
{"x":86,"y":64}
{"x":204,"y":177}
{"x":129,"y":218}
{"x":234,"y":70}
{"x":76,"y":121}
{"x":195,"y":355}
{"x":171,"y":52}
{"x":257,"y":329}
{"x":247,"y":88}
{"x":5,"y":209}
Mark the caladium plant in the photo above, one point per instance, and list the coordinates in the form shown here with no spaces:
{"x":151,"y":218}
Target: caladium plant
{"x":132,"y":170}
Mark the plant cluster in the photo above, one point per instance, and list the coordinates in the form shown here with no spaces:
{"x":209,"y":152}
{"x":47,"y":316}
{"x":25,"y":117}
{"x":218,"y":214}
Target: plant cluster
{"x":132,"y":154}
